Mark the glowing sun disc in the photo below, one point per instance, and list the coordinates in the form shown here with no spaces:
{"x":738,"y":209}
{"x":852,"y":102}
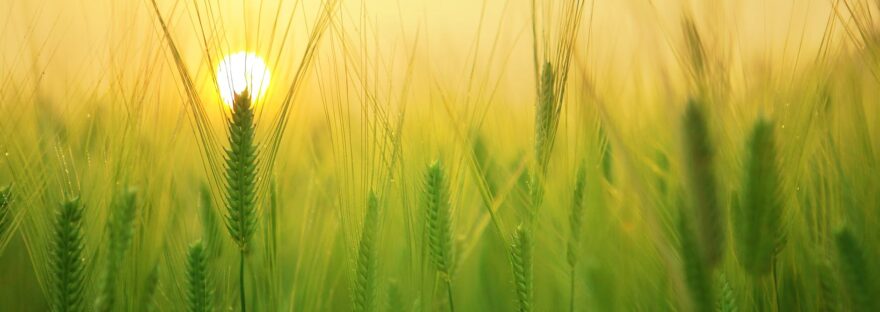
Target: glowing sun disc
{"x":242,"y":71}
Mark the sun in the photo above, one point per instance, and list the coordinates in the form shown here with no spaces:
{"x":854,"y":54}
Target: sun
{"x":239,"y":72}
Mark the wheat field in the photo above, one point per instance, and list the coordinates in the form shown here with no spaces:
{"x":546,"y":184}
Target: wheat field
{"x":397,"y":155}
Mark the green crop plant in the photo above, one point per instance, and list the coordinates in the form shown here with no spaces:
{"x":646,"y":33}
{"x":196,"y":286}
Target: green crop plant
{"x":705,"y":206}
{"x":757,"y":218}
{"x":856,"y":272}
{"x":199,"y":290}
{"x":438,"y":224}
{"x":66,"y":259}
{"x":120,"y":229}
{"x":366,"y":281}
{"x":521,"y":253}
{"x":5,"y":214}
{"x":241,"y":174}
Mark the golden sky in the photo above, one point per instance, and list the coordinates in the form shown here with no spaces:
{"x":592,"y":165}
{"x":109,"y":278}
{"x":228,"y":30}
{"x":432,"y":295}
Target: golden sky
{"x":81,"y":44}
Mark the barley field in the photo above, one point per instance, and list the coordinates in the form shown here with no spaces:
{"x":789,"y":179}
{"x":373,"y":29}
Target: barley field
{"x":457,"y":155}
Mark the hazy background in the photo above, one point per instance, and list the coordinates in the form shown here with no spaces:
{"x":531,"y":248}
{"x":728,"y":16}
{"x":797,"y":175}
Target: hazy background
{"x":75,"y":48}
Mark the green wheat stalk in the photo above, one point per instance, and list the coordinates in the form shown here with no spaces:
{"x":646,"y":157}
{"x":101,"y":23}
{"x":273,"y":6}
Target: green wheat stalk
{"x":487,"y":180}
{"x":856,"y":272}
{"x":546,"y":116}
{"x":66,"y":259}
{"x":696,"y":51}
{"x":199,"y":289}
{"x":438,"y":223}
{"x":151,"y":285}
{"x":554,"y":48}
{"x":438,"y":217}
{"x":210,"y":223}
{"x":241,"y":175}
{"x":120,"y":229}
{"x":535,"y":185}
{"x":829,"y":293}
{"x":5,"y":214}
{"x":757,"y":217}
{"x":485,"y":166}
{"x":706,"y":210}
{"x":521,"y":261}
{"x":575,"y":219}
{"x":366,"y":280}
{"x":726,"y":298}
{"x":546,"y":119}
{"x":395,"y":298}
{"x":607,"y":156}
{"x":697,"y":276}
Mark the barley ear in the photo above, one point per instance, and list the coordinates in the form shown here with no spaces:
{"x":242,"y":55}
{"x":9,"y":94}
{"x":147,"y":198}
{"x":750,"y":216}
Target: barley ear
{"x":438,"y":218}
{"x":366,"y":280}
{"x":575,"y":219}
{"x":696,"y":50}
{"x":757,"y":218}
{"x":5,"y":214}
{"x":705,"y":209}
{"x":66,"y":258}
{"x":697,"y":276}
{"x":199,"y":289}
{"x":521,"y":262}
{"x":576,"y":216}
{"x":829,"y":288}
{"x":545,"y":116}
{"x":120,"y":229}
{"x":241,"y":172}
{"x":151,"y":285}
{"x":536,"y":196}
{"x":396,"y":300}
{"x":856,"y":272}
{"x":607,"y":156}
{"x":726,"y":297}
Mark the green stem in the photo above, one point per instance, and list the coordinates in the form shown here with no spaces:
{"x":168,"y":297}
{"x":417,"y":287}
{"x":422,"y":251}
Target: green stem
{"x":449,"y":294}
{"x":241,"y":283}
{"x":775,"y":286}
{"x":571,"y":300}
